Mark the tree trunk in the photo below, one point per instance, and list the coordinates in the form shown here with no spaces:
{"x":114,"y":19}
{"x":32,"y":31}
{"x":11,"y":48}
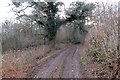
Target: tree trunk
{"x":50,"y":46}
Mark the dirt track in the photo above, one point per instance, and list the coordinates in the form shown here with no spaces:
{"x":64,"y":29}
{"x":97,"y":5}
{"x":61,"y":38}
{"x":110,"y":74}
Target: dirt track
{"x":65,"y":64}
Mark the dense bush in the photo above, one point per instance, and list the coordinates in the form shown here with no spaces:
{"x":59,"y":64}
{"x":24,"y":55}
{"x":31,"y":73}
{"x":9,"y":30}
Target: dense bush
{"x":104,"y":41}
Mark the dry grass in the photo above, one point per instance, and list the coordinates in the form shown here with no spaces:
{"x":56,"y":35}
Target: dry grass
{"x":16,"y":63}
{"x":13,"y":61}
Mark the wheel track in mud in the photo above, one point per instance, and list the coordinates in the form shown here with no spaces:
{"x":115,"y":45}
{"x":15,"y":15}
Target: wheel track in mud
{"x":64,"y":64}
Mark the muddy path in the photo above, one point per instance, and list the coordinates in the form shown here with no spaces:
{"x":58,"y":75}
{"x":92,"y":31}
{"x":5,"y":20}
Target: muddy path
{"x":64,"y":64}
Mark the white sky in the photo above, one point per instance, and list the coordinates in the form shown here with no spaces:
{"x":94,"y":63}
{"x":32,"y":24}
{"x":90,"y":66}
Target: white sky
{"x":5,"y":11}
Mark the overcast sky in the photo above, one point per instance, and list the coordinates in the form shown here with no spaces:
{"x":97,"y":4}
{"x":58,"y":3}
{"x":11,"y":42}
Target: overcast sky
{"x":5,"y":10}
